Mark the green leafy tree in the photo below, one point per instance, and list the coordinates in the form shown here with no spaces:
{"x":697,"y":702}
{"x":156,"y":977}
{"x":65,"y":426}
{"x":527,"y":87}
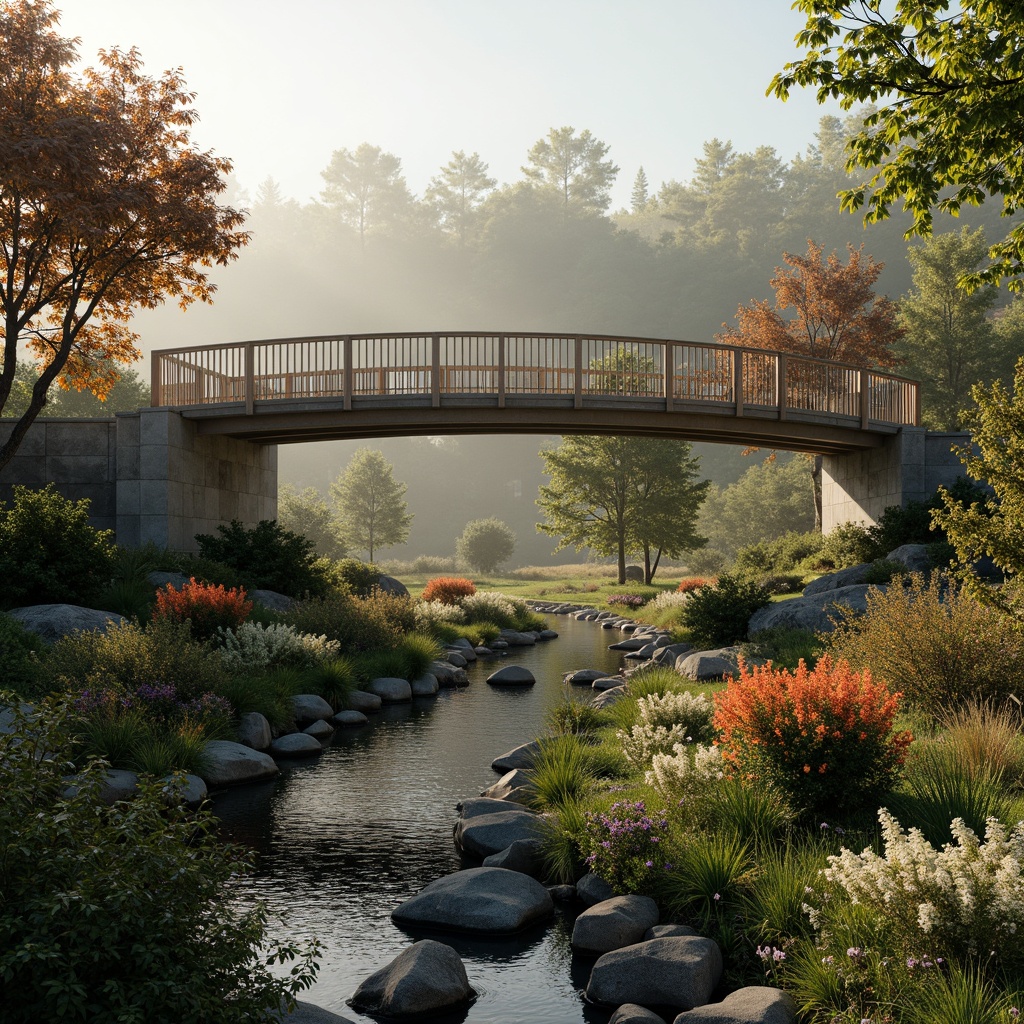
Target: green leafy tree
{"x":949,"y":344}
{"x":485,"y":544}
{"x":105,"y":206}
{"x":370,"y":504}
{"x":367,"y":189}
{"x":640,"y":196}
{"x":616,"y":495}
{"x":947,"y":133}
{"x":306,"y":513}
{"x":992,"y":527}
{"x":573,"y":168}
{"x":107,"y":911}
{"x":457,"y":192}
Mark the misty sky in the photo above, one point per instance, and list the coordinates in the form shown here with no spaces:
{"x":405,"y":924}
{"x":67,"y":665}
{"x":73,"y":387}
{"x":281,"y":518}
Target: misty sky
{"x":282,"y":85}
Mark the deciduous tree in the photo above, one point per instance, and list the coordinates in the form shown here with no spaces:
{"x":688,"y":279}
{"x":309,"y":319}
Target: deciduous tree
{"x":306,"y":513}
{"x":105,"y":206}
{"x":950,"y":84}
{"x":950,"y":345}
{"x":572,"y":167}
{"x":617,"y":495}
{"x":485,"y":543}
{"x":371,"y":508}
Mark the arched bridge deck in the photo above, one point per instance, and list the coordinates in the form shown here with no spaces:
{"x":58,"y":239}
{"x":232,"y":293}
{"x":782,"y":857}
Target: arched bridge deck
{"x":365,"y":386}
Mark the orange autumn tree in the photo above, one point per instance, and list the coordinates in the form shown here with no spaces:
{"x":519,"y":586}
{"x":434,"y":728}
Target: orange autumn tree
{"x":826,"y":309}
{"x":105,"y":206}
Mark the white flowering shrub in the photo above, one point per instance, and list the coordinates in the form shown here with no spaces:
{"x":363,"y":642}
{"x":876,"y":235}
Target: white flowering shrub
{"x":253,"y":647}
{"x":663,"y":722}
{"x":490,"y":606}
{"x":687,"y":768}
{"x":667,"y":599}
{"x":966,"y":899}
{"x":431,"y":613}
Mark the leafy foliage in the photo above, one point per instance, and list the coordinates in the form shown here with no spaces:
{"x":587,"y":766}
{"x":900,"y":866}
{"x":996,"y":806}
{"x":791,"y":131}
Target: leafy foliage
{"x":19,"y":657}
{"x":448,"y":589}
{"x":371,"y":506}
{"x":372,"y":623}
{"x":307,"y":514}
{"x":359,"y":577}
{"x":718,"y":615}
{"x":49,"y":554}
{"x":485,"y":543}
{"x":823,"y":736}
{"x":268,"y":557}
{"x":205,"y":607}
{"x":107,"y":910}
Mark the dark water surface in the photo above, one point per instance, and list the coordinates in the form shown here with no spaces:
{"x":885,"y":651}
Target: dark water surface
{"x":343,"y":839}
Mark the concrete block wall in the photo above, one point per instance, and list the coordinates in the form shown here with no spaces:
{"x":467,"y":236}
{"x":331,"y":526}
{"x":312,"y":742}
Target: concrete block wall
{"x":910,"y":466}
{"x":173,"y":482}
{"x":77,"y":455}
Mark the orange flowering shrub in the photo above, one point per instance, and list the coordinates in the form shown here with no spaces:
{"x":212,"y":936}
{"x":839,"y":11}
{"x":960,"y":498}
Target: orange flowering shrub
{"x":689,"y":583}
{"x":824,"y":737}
{"x":207,"y":607}
{"x":448,"y":589}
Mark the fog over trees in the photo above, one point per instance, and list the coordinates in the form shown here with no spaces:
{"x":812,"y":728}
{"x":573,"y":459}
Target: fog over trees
{"x":542,"y":253}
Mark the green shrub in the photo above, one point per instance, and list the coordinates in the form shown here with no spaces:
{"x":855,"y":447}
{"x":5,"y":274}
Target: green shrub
{"x":268,"y":692}
{"x":485,"y":543}
{"x":706,"y":561}
{"x":784,"y":647}
{"x":106,"y":911}
{"x":934,"y":643}
{"x":20,"y":651}
{"x":575,"y":717}
{"x":377,"y":622}
{"x":359,"y":577}
{"x":718,"y":616}
{"x":848,"y":544}
{"x":127,"y":657}
{"x":49,"y":554}
{"x":706,"y":874}
{"x":780,"y":556}
{"x":205,"y":570}
{"x":562,"y":772}
{"x":333,"y":680}
{"x":268,"y":557}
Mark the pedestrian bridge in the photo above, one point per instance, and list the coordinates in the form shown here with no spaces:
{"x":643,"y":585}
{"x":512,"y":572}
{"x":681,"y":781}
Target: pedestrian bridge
{"x":384,"y":385}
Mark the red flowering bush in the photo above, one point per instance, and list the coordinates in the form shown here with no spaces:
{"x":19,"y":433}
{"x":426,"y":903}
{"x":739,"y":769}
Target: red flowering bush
{"x":694,"y":583}
{"x":207,"y":607}
{"x":448,"y":589}
{"x":825,"y":737}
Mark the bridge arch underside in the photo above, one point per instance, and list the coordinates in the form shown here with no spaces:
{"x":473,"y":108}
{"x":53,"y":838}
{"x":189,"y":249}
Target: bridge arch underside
{"x":282,"y":422}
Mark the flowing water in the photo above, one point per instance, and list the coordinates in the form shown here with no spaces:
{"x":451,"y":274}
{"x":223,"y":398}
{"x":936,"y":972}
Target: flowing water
{"x":345,"y":838}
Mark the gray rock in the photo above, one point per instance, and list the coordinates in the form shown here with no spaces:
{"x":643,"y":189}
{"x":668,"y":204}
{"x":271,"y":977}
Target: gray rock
{"x":756,"y":1004}
{"x":582,"y":676}
{"x":512,"y":675}
{"x":295,"y":744}
{"x":814,"y":613}
{"x":562,"y":893}
{"x":915,"y":557}
{"x":489,"y":900}
{"x":187,"y":789}
{"x":517,"y":639}
{"x":309,"y":708}
{"x":631,"y":1013}
{"x":634,"y":574}
{"x":273,"y":600}
{"x":308,"y":1013}
{"x":389,"y":585}
{"x":483,"y":652}
{"x":390,"y":689}
{"x":704,"y":666}
{"x":477,"y":806}
{"x":460,"y":643}
{"x":116,"y":784}
{"x":425,"y":686}
{"x":645,"y":652}
{"x":253,"y":730}
{"x":518,"y":757}
{"x":632,"y":644}
{"x":447,"y":675}
{"x":607,"y":683}
{"x":547,"y":634}
{"x":228,"y":763}
{"x":456,"y":659}
{"x":673,"y":971}
{"x":426,"y":977}
{"x":349,"y":719}
{"x":52,"y":621}
{"x":484,"y":834}
{"x":834,"y":580}
{"x":525,"y":855}
{"x":360,"y":700}
{"x":609,"y":696}
{"x":592,"y":890}
{"x":612,"y":924}
{"x":321,"y":731}
{"x":661,"y":931}
{"x":669,"y":654}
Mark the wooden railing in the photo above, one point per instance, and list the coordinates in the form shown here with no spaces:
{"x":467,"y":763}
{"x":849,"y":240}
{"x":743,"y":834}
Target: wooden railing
{"x":680,"y":373}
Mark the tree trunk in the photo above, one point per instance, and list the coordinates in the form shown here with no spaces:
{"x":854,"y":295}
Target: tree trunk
{"x":622,"y":560}
{"x":647,"y":563}
{"x":816,"y":461}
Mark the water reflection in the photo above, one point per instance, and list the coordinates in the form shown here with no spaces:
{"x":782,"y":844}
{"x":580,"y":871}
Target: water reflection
{"x":343,"y":839}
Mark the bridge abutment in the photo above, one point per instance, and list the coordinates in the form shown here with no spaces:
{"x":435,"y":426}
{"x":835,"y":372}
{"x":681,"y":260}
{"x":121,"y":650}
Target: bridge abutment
{"x":909,"y":466}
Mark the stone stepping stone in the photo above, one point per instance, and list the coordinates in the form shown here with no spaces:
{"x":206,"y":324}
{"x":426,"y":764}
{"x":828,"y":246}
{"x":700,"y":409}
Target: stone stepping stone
{"x":425,"y":686}
{"x":522,"y":756}
{"x":632,"y":644}
{"x":350,"y":719}
{"x":360,"y":700}
{"x":228,"y":763}
{"x":661,"y":931}
{"x":390,"y":689}
{"x":115,"y":784}
{"x":511,"y":782}
{"x":583,"y":676}
{"x":426,"y":977}
{"x":607,"y":683}
{"x":254,"y":731}
{"x":484,"y":834}
{"x":296,"y":744}
{"x":673,"y":971}
{"x":309,"y":1013}
{"x":479,"y":900}
{"x":631,"y":1013}
{"x":708,"y":666}
{"x":755,"y":1004}
{"x":525,"y":855}
{"x":592,"y":890}
{"x":320,"y":730}
{"x":512,"y":675}
{"x":612,"y":924}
